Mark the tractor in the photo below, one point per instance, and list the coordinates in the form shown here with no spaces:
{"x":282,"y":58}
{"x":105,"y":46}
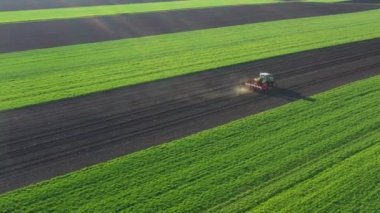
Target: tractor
{"x":262,"y":83}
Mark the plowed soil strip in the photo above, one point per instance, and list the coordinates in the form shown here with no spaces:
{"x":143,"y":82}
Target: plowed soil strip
{"x":47,"y":140}
{"x":36,"y":35}
{"x":7,"y":5}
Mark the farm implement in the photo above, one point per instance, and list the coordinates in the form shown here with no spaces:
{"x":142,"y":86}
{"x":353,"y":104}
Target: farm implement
{"x":261,"y":83}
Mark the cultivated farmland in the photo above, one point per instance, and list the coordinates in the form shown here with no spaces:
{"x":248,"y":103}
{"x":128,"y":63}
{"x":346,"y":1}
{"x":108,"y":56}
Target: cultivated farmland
{"x":65,"y":13}
{"x":241,"y":166}
{"x":38,"y":76}
{"x":11,"y":5}
{"x":37,"y":35}
{"x":161,"y":87}
{"x":210,"y":99}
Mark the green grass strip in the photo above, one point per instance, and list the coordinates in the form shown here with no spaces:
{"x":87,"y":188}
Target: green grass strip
{"x":38,"y":76}
{"x":103,"y":10}
{"x":340,"y":187}
{"x":322,"y":1}
{"x":304,"y":156}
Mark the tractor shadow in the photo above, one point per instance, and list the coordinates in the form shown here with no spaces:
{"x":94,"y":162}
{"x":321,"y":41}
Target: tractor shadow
{"x":287,"y":94}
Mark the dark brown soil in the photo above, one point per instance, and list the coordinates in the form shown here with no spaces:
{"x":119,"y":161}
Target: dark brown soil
{"x":6,"y":5}
{"x":35,"y":35}
{"x":47,"y":140}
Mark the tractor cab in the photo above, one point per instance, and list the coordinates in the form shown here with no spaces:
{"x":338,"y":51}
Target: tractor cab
{"x":261,"y":83}
{"x":267,"y":78}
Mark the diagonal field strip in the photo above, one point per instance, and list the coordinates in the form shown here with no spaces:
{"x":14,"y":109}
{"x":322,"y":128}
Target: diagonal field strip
{"x":12,"y":5}
{"x":48,"y":140}
{"x":66,"y":13}
{"x":55,"y":33}
{"x":38,"y":76}
{"x":300,"y":156}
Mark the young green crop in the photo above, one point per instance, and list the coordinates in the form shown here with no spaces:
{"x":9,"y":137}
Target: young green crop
{"x":33,"y":77}
{"x":103,"y":10}
{"x":301,"y":157}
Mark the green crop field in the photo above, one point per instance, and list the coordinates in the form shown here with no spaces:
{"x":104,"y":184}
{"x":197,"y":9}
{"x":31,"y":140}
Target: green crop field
{"x":65,"y":13}
{"x":320,"y":154}
{"x":38,"y":76}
